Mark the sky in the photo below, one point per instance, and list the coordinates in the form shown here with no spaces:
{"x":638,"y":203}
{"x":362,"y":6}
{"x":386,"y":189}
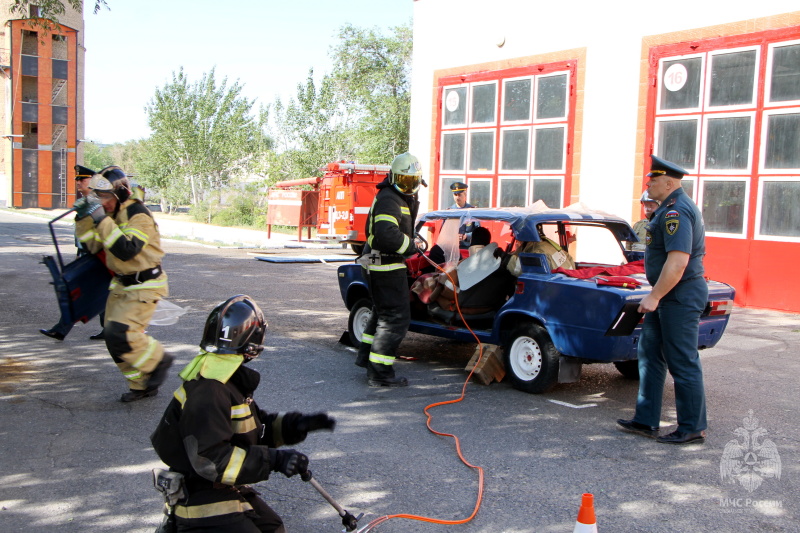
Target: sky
{"x":267,"y":45}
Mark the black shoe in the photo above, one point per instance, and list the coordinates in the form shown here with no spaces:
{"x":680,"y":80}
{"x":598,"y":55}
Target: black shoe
{"x":134,"y":395}
{"x":640,"y":429}
{"x":375,"y":381}
{"x":681,"y":437}
{"x":160,"y":373}
{"x":98,"y":336}
{"x":362,"y":361}
{"x":52,"y":334}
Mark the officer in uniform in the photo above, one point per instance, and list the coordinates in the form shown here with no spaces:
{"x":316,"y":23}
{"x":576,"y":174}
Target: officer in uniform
{"x":111,"y":220}
{"x":215,"y":435}
{"x":390,"y":239}
{"x":675,"y":243}
{"x":460,"y":202}
{"x":640,"y":227}
{"x":64,"y":325}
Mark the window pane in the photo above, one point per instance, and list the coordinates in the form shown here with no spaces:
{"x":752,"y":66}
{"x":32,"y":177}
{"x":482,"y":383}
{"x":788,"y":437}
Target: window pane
{"x":688,"y":187}
{"x":479,"y":192}
{"x":785,"y":74}
{"x":728,"y":142}
{"x":549,"y":149}
{"x":551,"y":97}
{"x":453,"y":150}
{"x":30,"y":112}
{"x":483,"y":103}
{"x":60,"y":114}
{"x":515,"y":150}
{"x":445,"y":194}
{"x":783,"y":141}
{"x":732,"y":78}
{"x":30,"y":65}
{"x":680,"y":87}
{"x":512,"y":192}
{"x":455,"y":106}
{"x":780,"y":211}
{"x":677,"y":142}
{"x":723,"y":206}
{"x":548,"y":191}
{"x":517,"y":100}
{"x":60,"y":69}
{"x":481,"y":151}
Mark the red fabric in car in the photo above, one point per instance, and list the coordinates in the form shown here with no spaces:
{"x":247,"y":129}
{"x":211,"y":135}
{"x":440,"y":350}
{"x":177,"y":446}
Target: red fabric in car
{"x":634,"y":267}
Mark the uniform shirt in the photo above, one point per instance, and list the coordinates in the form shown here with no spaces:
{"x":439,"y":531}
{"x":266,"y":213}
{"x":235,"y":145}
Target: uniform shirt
{"x":677,"y":225}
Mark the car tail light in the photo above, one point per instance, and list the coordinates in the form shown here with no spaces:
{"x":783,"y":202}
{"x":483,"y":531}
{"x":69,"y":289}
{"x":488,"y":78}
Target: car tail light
{"x":520,"y":287}
{"x":720,"y":307}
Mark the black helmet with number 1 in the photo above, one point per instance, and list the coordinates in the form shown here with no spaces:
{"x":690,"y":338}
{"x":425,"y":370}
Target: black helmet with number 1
{"x":236,"y":326}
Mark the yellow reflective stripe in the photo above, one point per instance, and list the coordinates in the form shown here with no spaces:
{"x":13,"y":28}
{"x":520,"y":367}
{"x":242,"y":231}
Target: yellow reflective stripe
{"x":180,"y":395}
{"x":240,"y":411}
{"x":112,"y":237}
{"x":405,"y":245}
{"x":386,"y":218}
{"x":148,"y":353}
{"x":132,"y":375}
{"x":212,"y":509}
{"x":367,"y":338}
{"x":405,"y":210}
{"x":88,"y":236}
{"x":136,"y":233}
{"x":243,"y":426}
{"x":234,"y":466}
{"x":386,"y":268}
{"x":380,"y":359}
{"x":152,"y":284}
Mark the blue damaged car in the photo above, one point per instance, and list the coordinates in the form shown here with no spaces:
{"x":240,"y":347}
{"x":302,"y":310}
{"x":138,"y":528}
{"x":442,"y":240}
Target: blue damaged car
{"x":556,"y":288}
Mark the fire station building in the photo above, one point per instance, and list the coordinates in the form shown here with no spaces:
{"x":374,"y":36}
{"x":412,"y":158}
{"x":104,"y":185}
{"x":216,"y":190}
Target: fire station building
{"x":42,"y":113}
{"x":565,"y":102}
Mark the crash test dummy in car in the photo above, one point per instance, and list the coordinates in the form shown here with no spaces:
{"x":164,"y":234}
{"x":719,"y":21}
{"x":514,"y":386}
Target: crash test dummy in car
{"x":390,"y":240}
{"x":215,"y":435}
{"x":115,"y":220}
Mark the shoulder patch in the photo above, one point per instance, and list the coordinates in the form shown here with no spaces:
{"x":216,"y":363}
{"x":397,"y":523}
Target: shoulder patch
{"x":672,"y":214}
{"x":648,"y":239}
{"x":672,"y":226}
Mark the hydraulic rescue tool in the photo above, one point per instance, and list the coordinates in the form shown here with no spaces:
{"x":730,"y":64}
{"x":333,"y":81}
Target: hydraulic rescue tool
{"x":349,"y":521}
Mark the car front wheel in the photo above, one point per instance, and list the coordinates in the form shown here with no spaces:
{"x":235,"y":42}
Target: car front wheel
{"x":360,"y":314}
{"x":531,"y":359}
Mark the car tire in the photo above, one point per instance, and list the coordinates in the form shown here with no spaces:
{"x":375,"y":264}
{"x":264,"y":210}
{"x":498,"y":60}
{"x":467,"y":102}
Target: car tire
{"x":531,"y":359}
{"x":629,"y":369}
{"x":360,"y":314}
{"x":357,"y":248}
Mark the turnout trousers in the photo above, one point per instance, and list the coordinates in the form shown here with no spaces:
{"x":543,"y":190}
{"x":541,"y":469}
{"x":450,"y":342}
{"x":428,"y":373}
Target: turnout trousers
{"x":252,"y":515}
{"x":669,"y":343}
{"x":391,"y":316}
{"x":128,"y":313}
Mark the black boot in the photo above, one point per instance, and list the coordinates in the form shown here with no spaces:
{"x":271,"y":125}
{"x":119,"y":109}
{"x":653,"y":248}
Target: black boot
{"x":362,"y":358}
{"x":383,"y":376}
{"x":159,"y":374}
{"x":52,"y":334}
{"x":98,"y":336}
{"x":134,"y":395}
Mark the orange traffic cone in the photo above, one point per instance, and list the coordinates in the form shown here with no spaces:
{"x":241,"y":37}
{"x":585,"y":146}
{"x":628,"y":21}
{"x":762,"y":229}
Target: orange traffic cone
{"x":586,"y":522}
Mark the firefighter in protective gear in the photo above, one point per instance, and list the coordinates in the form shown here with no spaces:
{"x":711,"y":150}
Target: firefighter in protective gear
{"x":649,"y":207}
{"x":214,"y":434}
{"x":390,"y":240}
{"x":110,"y":220}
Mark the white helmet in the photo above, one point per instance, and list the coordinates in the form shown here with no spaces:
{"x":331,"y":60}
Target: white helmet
{"x":406,"y":173}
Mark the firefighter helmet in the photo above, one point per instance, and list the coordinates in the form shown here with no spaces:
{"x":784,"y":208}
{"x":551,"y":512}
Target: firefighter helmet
{"x":236,"y":325}
{"x":406,"y":173}
{"x":646,"y":198}
{"x":112,"y":179}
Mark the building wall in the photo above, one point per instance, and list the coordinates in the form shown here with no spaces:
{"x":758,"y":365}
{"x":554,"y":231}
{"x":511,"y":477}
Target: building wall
{"x":13,"y":92}
{"x":612,"y":43}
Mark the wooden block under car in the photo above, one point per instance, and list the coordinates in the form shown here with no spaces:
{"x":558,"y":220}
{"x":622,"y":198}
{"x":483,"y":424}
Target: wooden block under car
{"x":491,"y":366}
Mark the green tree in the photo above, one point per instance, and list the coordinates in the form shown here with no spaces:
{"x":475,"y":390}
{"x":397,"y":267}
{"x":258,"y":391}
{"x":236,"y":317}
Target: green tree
{"x":204,"y":134}
{"x":51,"y":9}
{"x":372,"y":73}
{"x":96,"y":156}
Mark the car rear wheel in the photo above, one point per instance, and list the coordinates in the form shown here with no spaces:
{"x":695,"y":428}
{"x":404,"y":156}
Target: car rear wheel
{"x":629,"y":369}
{"x":360,"y":314}
{"x":357,"y":248}
{"x":531,"y":359}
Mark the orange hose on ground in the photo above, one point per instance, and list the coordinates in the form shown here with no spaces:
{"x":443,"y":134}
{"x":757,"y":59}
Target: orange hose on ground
{"x":418,"y":518}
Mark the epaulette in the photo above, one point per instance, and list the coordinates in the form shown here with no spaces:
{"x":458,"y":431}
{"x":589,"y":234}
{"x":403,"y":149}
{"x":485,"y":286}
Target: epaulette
{"x":671,"y":202}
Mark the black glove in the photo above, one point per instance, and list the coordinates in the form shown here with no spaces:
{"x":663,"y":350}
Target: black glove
{"x":288,"y":462}
{"x":315,"y":422}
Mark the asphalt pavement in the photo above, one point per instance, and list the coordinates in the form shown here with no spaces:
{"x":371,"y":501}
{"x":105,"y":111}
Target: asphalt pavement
{"x":75,"y":459}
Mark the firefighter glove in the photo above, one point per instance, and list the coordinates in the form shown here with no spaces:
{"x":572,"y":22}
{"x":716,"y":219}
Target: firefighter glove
{"x":288,"y":462}
{"x":315,"y":422}
{"x":89,"y":206}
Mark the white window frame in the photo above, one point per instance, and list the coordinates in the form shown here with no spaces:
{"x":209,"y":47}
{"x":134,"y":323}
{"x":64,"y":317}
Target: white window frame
{"x":768,"y":75}
{"x":760,"y":206}
{"x":444,"y":107}
{"x":470,"y":119}
{"x":527,"y":169}
{"x":704,"y":144}
{"x":470,"y":132}
{"x":558,"y":178}
{"x":478,"y":180}
{"x":535,"y":99}
{"x":675,"y":118}
{"x":700,"y":193}
{"x":512,"y":177}
{"x":442,"y":170}
{"x":763,"y":149}
{"x":544,"y":126}
{"x":707,"y":95}
{"x":504,"y":122}
{"x":660,"y":80}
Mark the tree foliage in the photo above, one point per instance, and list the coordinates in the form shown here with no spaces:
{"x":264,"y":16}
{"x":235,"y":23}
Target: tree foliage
{"x":204,"y":136}
{"x":51,"y":9}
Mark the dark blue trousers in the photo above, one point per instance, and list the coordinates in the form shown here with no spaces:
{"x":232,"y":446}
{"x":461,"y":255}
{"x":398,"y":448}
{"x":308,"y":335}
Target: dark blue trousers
{"x":669,"y":343}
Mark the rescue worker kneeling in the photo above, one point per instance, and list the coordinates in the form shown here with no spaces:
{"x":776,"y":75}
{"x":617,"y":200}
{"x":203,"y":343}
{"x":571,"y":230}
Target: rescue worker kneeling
{"x":214,"y":434}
